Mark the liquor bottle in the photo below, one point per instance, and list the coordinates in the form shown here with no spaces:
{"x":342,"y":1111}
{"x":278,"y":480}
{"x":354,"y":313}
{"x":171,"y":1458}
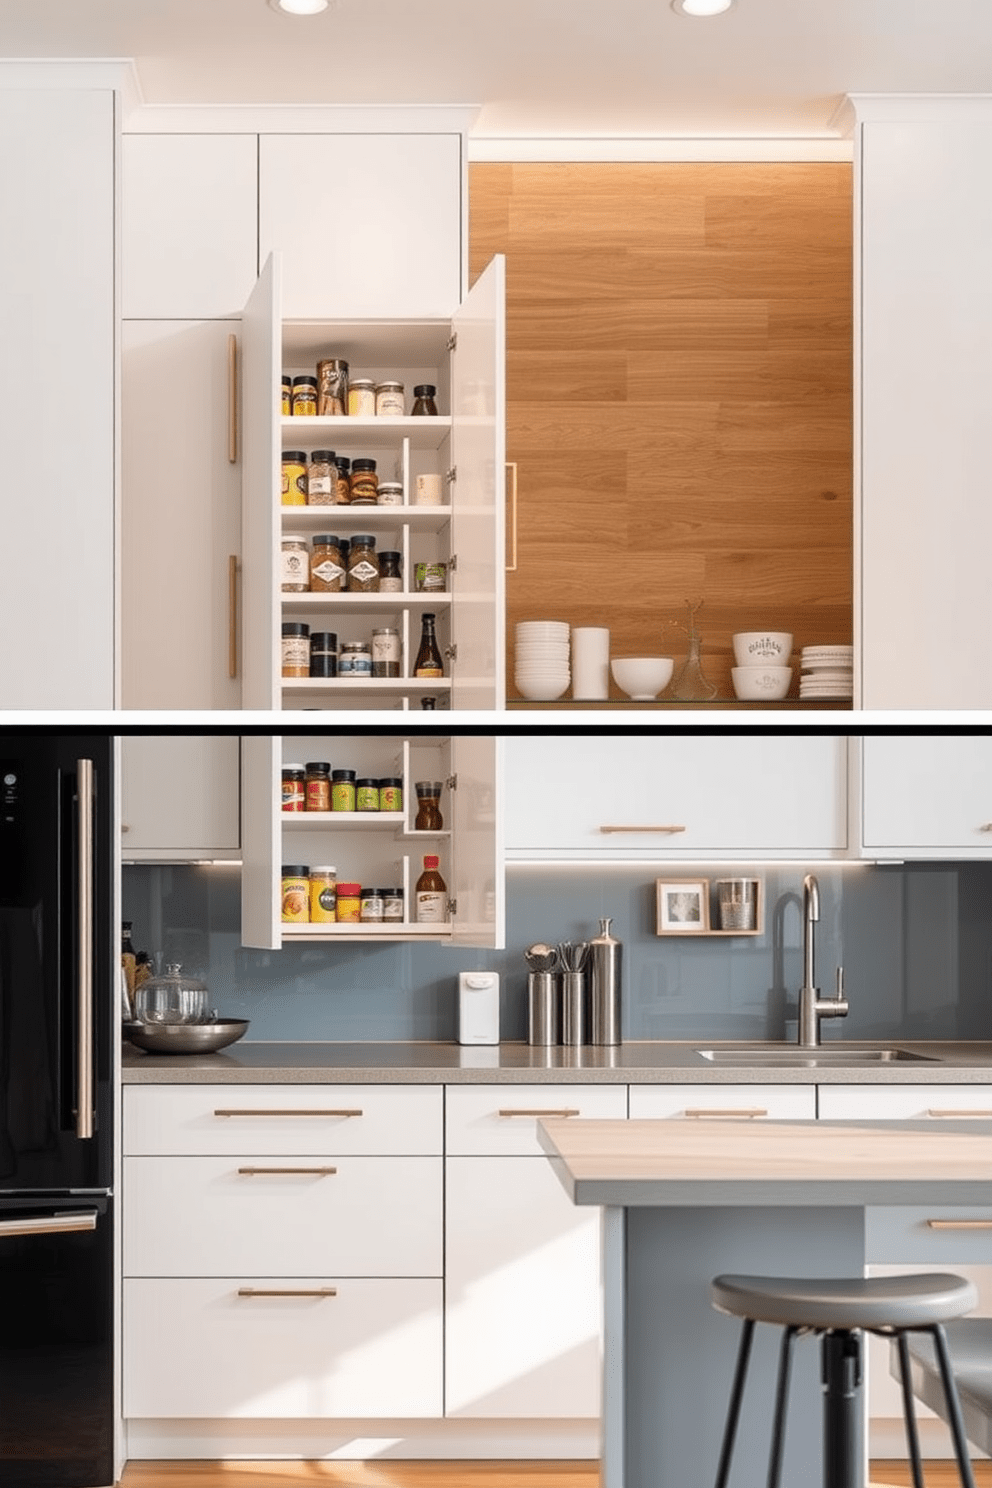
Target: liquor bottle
{"x":428,"y":663}
{"x":432,"y":894}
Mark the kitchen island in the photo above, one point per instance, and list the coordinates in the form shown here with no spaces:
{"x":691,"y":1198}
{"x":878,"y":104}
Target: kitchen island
{"x":683,"y":1202}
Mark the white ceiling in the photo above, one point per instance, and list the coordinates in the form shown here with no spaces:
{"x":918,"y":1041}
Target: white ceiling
{"x":535,"y":68}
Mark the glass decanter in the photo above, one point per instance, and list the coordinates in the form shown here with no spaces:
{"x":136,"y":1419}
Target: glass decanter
{"x":690,"y":684}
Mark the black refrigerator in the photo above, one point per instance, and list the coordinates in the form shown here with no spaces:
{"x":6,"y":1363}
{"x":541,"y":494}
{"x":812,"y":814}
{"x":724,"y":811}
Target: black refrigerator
{"x":59,"y":1008}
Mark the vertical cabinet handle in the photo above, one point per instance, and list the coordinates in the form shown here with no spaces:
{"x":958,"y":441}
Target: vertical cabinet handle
{"x":232,"y":399}
{"x":511,"y":466}
{"x":232,"y":614}
{"x":84,"y":950}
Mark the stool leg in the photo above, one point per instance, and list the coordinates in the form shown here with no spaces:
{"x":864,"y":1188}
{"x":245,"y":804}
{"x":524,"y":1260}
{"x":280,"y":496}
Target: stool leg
{"x":953,"y":1405}
{"x":841,"y":1394}
{"x":909,"y":1412}
{"x":781,"y":1400}
{"x":734,"y":1409}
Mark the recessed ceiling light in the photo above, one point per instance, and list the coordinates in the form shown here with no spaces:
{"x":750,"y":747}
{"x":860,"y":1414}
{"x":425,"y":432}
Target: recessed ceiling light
{"x":701,"y":7}
{"x":299,"y":7}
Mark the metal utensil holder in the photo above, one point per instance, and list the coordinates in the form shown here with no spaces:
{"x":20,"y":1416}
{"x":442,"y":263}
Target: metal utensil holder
{"x":543,"y":1008}
{"x":573,"y":1008}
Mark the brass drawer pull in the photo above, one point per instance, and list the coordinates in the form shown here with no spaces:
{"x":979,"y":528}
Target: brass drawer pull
{"x":642,"y":829}
{"x":957,"y":1114}
{"x":314,"y":1172}
{"x":304,"y":1112}
{"x":287,"y":1291}
{"x":749,"y":1111}
{"x":565,"y":1111}
{"x":959,"y":1224}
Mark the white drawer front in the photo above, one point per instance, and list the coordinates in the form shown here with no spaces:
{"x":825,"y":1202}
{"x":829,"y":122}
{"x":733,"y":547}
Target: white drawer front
{"x":500,"y":1120}
{"x":278,"y":1119}
{"x":904,"y":1102}
{"x":944,"y":1236}
{"x":698,"y":1102}
{"x":221,"y":1216}
{"x":198,"y":1348}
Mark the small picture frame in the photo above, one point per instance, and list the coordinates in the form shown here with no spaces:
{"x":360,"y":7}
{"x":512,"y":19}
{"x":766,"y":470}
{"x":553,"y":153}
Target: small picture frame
{"x":683,"y":906}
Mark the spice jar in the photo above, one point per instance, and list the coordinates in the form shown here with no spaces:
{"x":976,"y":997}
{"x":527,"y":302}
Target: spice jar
{"x":364,"y":482}
{"x":366,"y":795}
{"x":432,"y":894}
{"x":295,"y":649}
{"x":355,"y":660}
{"x":324,"y":653}
{"x":424,"y":396}
{"x":342,"y":790}
{"x":391,"y":794}
{"x":390,"y":493}
{"x":363,"y":565}
{"x":294,"y":478}
{"x":430,"y":577}
{"x":287,"y":396}
{"x":349,"y":905}
{"x":295,"y":564}
{"x":323,"y":895}
{"x":372,"y":907}
{"x":293,"y":788}
{"x":322,"y":478}
{"x":428,"y":818}
{"x":342,"y":495}
{"x":390,"y":576}
{"x":295,"y":893}
{"x":304,"y":397}
{"x":385,"y":652}
{"x":392,"y":906}
{"x":361,"y":397}
{"x":389,"y":400}
{"x":332,"y":386}
{"x":327,"y":570}
{"x":318,"y":786}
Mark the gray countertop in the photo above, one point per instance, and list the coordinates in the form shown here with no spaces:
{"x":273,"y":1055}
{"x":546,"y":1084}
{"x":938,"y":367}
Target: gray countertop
{"x":657,"y":1063}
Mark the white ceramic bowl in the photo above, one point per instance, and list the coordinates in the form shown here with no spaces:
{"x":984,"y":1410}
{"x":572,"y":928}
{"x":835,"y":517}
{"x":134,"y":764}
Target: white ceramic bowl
{"x":642,"y":677}
{"x":761,"y":683}
{"x":762,"y":648}
{"x":540,"y":692}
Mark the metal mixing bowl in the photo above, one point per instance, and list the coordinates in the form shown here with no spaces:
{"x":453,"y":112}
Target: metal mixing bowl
{"x":185,"y":1038}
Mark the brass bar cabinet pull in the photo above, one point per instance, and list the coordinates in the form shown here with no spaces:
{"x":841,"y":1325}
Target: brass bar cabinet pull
{"x":704,"y":1112}
{"x":959,"y":1224}
{"x":642,"y":829}
{"x":245,"y":1111}
{"x":565,"y":1111}
{"x":313,"y":1172}
{"x":287,"y":1291}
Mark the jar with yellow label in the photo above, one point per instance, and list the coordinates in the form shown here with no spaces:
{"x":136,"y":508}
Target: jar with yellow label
{"x":304,"y":397}
{"x":349,"y":905}
{"x":342,"y":790}
{"x":287,"y":396}
{"x":361,"y":397}
{"x":391,"y":793}
{"x":366,"y":795}
{"x":295,"y":893}
{"x":294,"y":478}
{"x":323,"y":895}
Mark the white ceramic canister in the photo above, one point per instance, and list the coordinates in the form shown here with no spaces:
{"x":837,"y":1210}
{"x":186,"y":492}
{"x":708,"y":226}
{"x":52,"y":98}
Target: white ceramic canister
{"x":591,"y":662}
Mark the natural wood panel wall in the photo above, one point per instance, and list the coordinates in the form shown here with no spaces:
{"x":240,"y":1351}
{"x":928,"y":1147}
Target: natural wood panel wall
{"x":679,"y":353}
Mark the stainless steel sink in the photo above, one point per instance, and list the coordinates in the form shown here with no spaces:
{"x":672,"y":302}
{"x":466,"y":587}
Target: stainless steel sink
{"x":792,"y":1055}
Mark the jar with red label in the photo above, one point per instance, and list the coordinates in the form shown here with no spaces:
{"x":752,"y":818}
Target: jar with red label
{"x":293,"y":788}
{"x":318,"y":785}
{"x":349,"y":905}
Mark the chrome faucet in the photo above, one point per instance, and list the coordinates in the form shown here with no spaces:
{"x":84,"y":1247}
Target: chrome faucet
{"x":813,"y":1007}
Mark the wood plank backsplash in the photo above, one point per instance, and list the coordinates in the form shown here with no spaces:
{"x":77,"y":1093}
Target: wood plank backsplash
{"x":679,"y":356}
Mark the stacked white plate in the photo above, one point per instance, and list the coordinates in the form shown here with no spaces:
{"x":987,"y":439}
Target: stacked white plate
{"x":542,"y":670}
{"x":827,"y":672}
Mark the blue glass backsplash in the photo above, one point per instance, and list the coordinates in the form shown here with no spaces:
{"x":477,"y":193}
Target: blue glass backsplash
{"x":915,"y":940}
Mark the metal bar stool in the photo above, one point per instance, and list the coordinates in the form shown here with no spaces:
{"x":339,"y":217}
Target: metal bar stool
{"x":841,"y":1310}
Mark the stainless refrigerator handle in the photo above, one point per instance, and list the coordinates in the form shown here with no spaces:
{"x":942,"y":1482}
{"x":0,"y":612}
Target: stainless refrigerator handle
{"x":49,"y":1224}
{"x":84,"y":1039}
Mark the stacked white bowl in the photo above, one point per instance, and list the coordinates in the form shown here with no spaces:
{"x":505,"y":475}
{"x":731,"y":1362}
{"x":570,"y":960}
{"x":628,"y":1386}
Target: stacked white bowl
{"x":762,"y":673}
{"x":542,"y":671}
{"x":826,"y":672}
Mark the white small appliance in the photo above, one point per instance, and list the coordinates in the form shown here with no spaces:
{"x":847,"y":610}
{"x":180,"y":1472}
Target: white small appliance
{"x":478,"y":1007}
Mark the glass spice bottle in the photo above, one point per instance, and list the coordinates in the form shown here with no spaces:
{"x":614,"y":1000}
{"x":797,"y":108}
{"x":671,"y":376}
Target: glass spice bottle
{"x":432,"y":894}
{"x":428,"y":663}
{"x":424,"y":404}
{"x":327,"y":568}
{"x":364,"y":483}
{"x":342,"y":494}
{"x":390,"y":576}
{"x":322,"y":478}
{"x":304,"y":397}
{"x":318,"y":785}
{"x":363,"y":565}
{"x":428,"y":818}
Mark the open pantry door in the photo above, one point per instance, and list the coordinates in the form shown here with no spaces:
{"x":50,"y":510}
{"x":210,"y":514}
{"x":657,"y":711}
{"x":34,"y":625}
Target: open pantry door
{"x":478,"y":457}
{"x":260,"y":412}
{"x":479,"y":916}
{"x":261,"y":841}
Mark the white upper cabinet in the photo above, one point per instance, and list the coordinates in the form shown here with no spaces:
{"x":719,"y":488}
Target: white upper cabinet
{"x":180,"y":797}
{"x":189,"y":225}
{"x":368,"y":225}
{"x":928,"y":796}
{"x":581,"y":797}
{"x":925,"y":377}
{"x":58,"y":378}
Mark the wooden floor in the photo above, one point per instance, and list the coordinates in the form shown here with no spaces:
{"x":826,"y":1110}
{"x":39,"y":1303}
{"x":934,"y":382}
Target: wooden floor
{"x":441,"y":1474}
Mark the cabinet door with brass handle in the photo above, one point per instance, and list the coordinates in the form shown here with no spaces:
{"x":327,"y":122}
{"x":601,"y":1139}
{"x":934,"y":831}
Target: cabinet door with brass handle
{"x":502,"y":1120}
